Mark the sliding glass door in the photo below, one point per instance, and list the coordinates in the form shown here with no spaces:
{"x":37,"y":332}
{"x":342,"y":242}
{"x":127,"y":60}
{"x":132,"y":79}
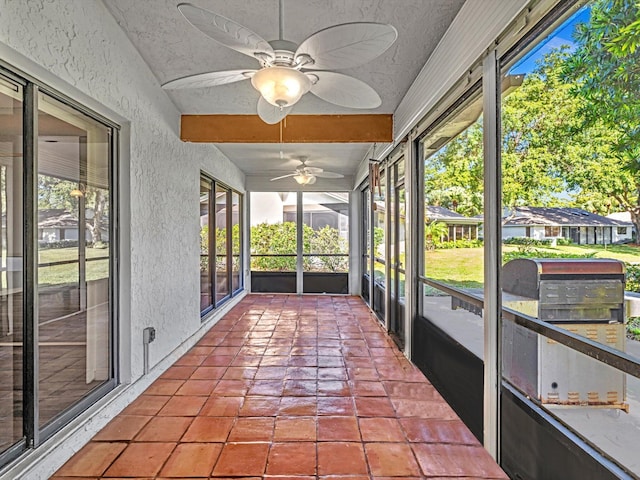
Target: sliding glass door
{"x":11,"y":277}
{"x":57,"y":304}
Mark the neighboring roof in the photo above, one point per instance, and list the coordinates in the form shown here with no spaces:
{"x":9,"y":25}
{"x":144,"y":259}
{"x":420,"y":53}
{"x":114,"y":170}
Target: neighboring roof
{"x":558,"y":216}
{"x":436,"y":212}
{"x":444,"y":214}
{"x":58,"y":218}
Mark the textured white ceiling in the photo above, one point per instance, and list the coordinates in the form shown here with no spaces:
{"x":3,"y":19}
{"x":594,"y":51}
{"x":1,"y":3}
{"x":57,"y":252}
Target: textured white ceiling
{"x":173,"y":48}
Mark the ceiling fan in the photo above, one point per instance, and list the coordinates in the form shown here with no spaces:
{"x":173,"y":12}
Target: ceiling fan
{"x":288,"y":71}
{"x":306,"y":175}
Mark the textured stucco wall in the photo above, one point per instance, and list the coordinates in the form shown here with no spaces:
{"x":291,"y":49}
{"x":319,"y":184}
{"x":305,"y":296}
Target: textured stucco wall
{"x":76,"y":47}
{"x":79,"y":42}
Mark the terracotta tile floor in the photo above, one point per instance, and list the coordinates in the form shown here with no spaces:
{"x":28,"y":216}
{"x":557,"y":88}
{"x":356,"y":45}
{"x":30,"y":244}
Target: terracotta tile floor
{"x":288,"y":387}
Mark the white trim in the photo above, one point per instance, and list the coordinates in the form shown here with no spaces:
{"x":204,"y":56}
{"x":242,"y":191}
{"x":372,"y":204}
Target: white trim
{"x":492,"y":248}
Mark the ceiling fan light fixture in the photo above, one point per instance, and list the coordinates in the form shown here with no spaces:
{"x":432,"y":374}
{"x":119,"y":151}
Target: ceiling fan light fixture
{"x":303,"y":178}
{"x":281,"y":86}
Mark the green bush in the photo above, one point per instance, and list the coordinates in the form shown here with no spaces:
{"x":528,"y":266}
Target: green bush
{"x":526,"y":241}
{"x":564,"y":241}
{"x":633,"y":328}
{"x":280,"y":239}
{"x":633,"y":277}
{"x":462,"y":243}
{"x":542,"y":254}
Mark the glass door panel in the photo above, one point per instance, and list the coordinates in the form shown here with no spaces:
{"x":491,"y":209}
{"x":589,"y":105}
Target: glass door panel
{"x":379,"y":233}
{"x":397,"y":291}
{"x":206,"y":292}
{"x":73,"y":256}
{"x":366,"y":243}
{"x":11,"y":277}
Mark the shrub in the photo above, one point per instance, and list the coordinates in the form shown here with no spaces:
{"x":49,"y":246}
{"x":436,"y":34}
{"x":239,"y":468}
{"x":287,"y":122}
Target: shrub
{"x":526,"y":241}
{"x":462,"y":243}
{"x":633,"y":328}
{"x":564,"y":241}
{"x":280,"y":239}
{"x":59,"y":244}
{"x":542,"y":254}
{"x":633,"y":277}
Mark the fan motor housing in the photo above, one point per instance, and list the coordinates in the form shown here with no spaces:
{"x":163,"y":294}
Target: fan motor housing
{"x":284,"y":51}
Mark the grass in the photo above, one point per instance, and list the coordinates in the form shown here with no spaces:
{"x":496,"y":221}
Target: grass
{"x":463,"y":267}
{"x":68,"y":273}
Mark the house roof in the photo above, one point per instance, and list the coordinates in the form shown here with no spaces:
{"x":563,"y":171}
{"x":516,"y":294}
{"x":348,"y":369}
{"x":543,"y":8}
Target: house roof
{"x":56,"y":218}
{"x":527,"y":216}
{"x":432,"y":213}
{"x":437,"y":212}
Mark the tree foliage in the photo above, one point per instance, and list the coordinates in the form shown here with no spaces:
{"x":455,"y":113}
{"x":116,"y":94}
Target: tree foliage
{"x":269,"y":241}
{"x":434,"y":232}
{"x":55,"y":193}
{"x":604,"y":74}
{"x":571,"y":132}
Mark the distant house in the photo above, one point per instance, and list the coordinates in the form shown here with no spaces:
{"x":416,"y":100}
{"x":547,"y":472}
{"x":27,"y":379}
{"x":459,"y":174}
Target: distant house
{"x":56,"y":225}
{"x":626,"y":218}
{"x":579,"y":226}
{"x":460,"y":227}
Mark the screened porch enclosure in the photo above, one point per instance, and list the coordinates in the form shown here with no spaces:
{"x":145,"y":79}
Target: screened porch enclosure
{"x":299,"y":242}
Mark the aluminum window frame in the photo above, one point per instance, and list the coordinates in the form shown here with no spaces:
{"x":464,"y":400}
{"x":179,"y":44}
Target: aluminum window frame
{"x":34,"y":434}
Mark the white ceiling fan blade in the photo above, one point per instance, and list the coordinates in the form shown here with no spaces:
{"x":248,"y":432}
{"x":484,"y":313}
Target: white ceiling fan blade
{"x":226,"y":31}
{"x":347,"y":45}
{"x":284,"y":176}
{"x":344,"y":90}
{"x":271,"y":114}
{"x":328,"y":175}
{"x":313,"y":170}
{"x":210,"y":79}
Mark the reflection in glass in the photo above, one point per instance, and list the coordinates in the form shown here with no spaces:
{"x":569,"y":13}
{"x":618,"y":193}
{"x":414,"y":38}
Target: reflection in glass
{"x":11,"y":278}
{"x":73,"y":256}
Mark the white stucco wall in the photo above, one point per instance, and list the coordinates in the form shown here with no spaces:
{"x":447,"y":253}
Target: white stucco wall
{"x":266,"y":207}
{"x":512,"y":232}
{"x":76,"y":47}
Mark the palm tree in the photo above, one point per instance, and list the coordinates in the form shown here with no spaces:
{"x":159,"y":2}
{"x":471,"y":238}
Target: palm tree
{"x":435,"y":232}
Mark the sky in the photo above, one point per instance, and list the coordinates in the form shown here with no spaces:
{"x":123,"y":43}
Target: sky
{"x":563,"y":35}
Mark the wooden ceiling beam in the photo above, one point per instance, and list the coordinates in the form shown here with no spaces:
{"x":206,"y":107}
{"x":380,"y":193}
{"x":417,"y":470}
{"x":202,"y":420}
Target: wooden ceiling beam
{"x":365,"y":128}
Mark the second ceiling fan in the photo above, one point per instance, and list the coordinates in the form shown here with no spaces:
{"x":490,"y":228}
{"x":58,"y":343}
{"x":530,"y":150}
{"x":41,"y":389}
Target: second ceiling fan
{"x":306,"y":175}
{"x":288,"y":71}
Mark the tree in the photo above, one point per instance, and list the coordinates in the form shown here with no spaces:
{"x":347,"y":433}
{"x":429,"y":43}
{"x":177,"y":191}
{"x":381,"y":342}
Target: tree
{"x":327,"y":240}
{"x":571,"y":132}
{"x":434,"y":232}
{"x":604,"y":72}
{"x":454,"y":174}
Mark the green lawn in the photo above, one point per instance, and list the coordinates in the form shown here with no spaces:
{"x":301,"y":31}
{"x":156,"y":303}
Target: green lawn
{"x":68,"y":273}
{"x":463,"y":267}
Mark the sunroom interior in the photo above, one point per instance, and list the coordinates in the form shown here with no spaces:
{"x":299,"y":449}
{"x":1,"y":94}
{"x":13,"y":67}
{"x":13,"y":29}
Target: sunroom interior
{"x":136,"y":216}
